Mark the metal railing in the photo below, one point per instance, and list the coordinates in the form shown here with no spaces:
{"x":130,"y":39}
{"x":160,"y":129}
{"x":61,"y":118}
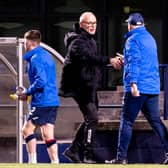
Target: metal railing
{"x":165,"y":87}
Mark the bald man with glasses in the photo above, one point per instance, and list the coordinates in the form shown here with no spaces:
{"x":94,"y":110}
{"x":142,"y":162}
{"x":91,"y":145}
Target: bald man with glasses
{"x":81,"y":77}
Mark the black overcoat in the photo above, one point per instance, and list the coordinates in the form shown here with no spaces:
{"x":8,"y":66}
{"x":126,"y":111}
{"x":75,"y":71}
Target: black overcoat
{"x":83,"y":65}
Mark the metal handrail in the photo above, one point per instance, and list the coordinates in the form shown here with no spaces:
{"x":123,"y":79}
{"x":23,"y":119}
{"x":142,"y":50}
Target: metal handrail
{"x":110,"y":105}
{"x":7,"y":105}
{"x":165,"y":85}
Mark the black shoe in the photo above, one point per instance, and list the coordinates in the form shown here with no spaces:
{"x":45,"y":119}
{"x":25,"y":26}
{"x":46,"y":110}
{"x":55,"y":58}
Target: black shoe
{"x":166,"y":159}
{"x":116,"y":161}
{"x":71,"y":155}
{"x":88,"y":161}
{"x":88,"y":156}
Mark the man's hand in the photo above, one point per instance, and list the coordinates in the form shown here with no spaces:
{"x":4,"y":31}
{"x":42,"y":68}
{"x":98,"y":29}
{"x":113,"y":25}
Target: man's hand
{"x":22,"y":96}
{"x":21,"y":92}
{"x":134,"y":90}
{"x":120,"y":56}
{"x":116,"y":62}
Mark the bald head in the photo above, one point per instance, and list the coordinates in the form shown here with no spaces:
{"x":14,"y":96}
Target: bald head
{"x":88,"y":22}
{"x":84,"y":16}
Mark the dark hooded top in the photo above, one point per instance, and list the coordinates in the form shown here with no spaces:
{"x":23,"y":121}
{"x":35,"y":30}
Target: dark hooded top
{"x":82,"y":66}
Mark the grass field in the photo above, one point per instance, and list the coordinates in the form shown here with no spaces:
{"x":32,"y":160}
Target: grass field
{"x":81,"y":166}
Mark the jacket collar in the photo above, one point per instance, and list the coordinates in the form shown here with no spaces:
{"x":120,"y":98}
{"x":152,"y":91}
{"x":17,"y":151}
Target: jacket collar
{"x":136,"y":30}
{"x":29,"y":54}
{"x":80,"y":30}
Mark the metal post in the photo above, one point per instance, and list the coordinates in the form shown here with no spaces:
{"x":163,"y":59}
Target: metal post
{"x":20,"y":104}
{"x":165,"y":92}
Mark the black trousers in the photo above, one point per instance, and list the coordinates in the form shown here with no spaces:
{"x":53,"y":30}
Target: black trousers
{"x":87,"y":101}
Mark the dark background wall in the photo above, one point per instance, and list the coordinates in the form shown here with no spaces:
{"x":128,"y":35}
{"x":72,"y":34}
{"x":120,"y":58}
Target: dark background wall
{"x":55,"y":18}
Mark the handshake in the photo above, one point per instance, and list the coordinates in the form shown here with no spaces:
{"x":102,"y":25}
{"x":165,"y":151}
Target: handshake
{"x":118,"y":61}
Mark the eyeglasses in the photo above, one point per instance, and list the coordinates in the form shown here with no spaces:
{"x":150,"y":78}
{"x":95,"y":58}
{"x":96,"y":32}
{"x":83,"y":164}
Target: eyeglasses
{"x":90,"y":23}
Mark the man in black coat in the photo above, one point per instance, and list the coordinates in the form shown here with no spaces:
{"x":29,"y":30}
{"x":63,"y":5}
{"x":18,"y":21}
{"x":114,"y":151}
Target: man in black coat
{"x":80,"y":79}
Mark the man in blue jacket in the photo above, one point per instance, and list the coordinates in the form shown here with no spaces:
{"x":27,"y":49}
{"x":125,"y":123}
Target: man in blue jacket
{"x":43,"y":91}
{"x":141,"y":86}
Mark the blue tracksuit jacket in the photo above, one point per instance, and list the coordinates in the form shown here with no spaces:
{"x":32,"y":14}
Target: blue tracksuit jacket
{"x":42,"y":76}
{"x":141,"y":62}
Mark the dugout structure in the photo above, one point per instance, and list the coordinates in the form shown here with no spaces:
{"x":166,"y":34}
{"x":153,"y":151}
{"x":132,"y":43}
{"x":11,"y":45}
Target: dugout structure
{"x":12,"y":74}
